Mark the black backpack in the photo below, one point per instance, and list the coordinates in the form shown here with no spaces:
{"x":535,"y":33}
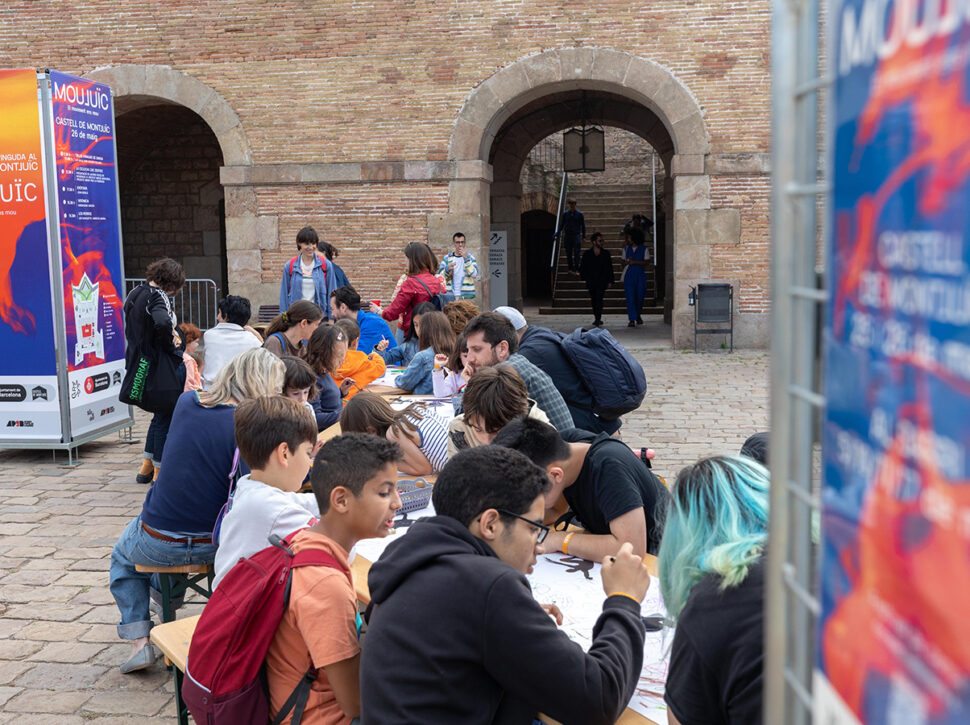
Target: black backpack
{"x":439,"y":300}
{"x":615,"y":380}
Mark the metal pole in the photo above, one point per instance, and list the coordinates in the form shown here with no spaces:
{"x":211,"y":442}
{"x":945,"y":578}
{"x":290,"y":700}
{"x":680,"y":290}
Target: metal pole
{"x":653,"y":192}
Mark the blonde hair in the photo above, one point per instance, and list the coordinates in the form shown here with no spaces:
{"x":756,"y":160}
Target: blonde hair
{"x":251,"y":374}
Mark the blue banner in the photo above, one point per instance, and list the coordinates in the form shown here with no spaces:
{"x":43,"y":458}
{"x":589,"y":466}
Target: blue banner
{"x":894,"y":639}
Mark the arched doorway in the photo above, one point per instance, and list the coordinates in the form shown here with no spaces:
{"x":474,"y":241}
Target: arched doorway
{"x":171,"y":199}
{"x":224,"y":224}
{"x":509,"y":113}
{"x":538,"y":226}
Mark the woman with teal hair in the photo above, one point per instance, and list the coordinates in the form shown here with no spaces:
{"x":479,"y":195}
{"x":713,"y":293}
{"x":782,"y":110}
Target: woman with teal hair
{"x":712,"y":580}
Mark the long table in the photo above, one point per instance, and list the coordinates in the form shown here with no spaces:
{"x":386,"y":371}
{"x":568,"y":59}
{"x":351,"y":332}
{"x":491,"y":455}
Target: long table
{"x":360,"y":566}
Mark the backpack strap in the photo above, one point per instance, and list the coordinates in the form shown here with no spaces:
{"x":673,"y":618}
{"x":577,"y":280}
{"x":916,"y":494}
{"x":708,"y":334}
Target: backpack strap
{"x":233,"y":480}
{"x":319,"y":256}
{"x":297,"y":699}
{"x":426,"y":289}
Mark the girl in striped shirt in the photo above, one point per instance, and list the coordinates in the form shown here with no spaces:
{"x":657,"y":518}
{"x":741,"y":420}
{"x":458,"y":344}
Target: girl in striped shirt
{"x":422,"y":435}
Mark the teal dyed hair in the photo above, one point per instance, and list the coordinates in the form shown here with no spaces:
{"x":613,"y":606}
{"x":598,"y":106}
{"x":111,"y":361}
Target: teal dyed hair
{"x":717,"y":524}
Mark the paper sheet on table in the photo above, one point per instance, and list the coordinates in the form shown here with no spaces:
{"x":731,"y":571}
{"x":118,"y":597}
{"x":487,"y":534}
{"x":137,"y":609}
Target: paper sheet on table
{"x":390,"y":373}
{"x":574,"y":585}
{"x":371,"y":549}
{"x":442,"y":407}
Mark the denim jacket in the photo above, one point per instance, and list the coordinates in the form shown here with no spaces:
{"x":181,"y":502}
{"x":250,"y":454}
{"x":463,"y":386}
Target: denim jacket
{"x":324,"y":283}
{"x":417,"y":377}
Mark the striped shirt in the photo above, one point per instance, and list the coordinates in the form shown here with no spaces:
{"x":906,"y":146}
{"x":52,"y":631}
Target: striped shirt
{"x":433,"y":434}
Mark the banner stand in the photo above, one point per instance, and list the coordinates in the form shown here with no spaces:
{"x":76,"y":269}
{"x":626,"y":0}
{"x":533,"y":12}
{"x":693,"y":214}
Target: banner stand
{"x":79,"y":330}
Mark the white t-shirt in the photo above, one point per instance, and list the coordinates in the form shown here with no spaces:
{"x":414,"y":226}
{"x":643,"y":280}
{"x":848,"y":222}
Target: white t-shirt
{"x":458,"y":274}
{"x":221,"y":344}
{"x":258,"y":510}
{"x":308,"y":290}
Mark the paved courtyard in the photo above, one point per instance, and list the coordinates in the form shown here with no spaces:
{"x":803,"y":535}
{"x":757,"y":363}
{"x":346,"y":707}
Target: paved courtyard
{"x":59,"y":653}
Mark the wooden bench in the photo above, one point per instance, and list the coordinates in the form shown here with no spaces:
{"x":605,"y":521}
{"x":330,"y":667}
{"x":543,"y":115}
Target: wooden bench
{"x":173,"y":639}
{"x":177,"y":580}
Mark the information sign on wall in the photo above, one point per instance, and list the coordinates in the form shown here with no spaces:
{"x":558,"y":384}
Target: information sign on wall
{"x":498,"y":268}
{"x":29,"y":407}
{"x":894,"y":640}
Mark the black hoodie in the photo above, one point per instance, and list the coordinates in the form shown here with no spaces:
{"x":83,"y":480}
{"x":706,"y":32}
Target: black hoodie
{"x":455,"y":636}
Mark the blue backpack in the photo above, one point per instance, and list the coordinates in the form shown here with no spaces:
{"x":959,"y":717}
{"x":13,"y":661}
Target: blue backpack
{"x":615,"y":380}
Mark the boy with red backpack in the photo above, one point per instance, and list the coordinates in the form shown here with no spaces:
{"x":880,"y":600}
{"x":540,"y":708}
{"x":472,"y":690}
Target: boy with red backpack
{"x":304,"y":584}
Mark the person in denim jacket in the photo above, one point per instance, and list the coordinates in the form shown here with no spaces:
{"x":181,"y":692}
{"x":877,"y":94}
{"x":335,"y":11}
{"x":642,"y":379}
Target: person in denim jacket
{"x":435,"y":337}
{"x":308,"y":276}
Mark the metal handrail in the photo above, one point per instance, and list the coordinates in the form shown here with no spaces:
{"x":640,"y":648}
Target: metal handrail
{"x":557,"y":235}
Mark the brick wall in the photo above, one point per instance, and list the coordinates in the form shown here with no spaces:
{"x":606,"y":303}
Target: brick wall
{"x":374,"y":81}
{"x":369,"y":224}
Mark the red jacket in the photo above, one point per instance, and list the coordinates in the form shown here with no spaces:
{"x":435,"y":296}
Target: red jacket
{"x":410,"y":296}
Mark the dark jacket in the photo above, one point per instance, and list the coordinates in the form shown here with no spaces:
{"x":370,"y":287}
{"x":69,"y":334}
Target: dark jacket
{"x":328,"y":404}
{"x":149,"y":333}
{"x":542,"y":348}
{"x":148,"y":326}
{"x":597,"y":269}
{"x":455,"y":636}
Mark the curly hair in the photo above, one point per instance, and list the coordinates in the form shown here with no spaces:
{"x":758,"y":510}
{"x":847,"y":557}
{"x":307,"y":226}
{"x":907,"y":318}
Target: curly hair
{"x":167,"y":274}
{"x":460,"y":313}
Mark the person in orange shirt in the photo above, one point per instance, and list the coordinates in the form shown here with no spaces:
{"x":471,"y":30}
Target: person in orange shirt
{"x":354,"y":480}
{"x":360,"y":366}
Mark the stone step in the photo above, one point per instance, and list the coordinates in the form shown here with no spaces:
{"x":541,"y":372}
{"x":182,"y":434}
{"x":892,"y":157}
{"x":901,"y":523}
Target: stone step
{"x":587,"y":310}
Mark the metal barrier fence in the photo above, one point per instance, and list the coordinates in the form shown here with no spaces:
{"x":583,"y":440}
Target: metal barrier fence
{"x":197,"y":302}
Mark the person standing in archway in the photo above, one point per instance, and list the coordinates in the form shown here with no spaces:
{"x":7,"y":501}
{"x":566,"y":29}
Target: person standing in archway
{"x":308,"y":276}
{"x":573,"y":228}
{"x":636,"y":259}
{"x":596,"y":269}
{"x":460,"y":269}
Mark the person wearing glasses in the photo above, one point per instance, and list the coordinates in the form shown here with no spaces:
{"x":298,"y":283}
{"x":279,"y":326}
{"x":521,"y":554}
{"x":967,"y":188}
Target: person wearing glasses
{"x":610,"y":491}
{"x":454,"y":633}
{"x":459,"y":269}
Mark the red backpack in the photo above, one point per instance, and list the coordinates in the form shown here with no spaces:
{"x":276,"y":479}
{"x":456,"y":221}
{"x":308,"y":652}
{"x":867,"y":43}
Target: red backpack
{"x":223,"y":682}
{"x":293,"y":261}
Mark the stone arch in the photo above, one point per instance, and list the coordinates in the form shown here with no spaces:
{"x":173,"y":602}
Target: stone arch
{"x":641,"y":81}
{"x":135,"y":86}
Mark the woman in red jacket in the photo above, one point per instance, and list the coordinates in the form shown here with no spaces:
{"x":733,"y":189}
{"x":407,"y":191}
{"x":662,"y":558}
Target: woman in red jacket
{"x":419,"y":286}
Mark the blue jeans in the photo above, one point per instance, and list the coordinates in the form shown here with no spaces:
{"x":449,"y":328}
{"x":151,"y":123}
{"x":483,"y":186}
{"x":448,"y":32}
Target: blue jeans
{"x":130,"y":588}
{"x":155,"y":438}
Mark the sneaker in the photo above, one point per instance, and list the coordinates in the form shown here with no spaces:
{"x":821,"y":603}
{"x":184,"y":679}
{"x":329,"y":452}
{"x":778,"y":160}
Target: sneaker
{"x":631,"y":323}
{"x":639,"y":321}
{"x":145,"y":657}
{"x":597,"y":323}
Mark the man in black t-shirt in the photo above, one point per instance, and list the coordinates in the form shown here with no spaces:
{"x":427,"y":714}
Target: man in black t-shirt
{"x":613,"y":494}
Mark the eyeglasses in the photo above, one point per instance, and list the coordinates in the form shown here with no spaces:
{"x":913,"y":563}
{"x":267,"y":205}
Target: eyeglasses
{"x":542,"y":528}
{"x":459,"y":243}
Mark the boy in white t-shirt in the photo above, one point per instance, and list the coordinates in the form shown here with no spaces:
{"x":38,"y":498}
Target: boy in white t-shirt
{"x":277,"y":438}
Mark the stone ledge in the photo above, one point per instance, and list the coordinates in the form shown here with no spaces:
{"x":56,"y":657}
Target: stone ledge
{"x":354,"y":173}
{"x":740,"y":163}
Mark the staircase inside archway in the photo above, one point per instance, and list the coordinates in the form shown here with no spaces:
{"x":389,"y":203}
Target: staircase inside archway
{"x":607,"y":207}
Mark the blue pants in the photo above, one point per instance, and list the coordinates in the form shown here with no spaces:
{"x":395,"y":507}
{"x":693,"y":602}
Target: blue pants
{"x":635,"y":287}
{"x":130,"y":588}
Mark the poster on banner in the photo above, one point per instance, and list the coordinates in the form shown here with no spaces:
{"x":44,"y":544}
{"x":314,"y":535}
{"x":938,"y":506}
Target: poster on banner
{"x":498,"y":244}
{"x":92,"y":280}
{"x":29,"y":407}
{"x":894,"y":635}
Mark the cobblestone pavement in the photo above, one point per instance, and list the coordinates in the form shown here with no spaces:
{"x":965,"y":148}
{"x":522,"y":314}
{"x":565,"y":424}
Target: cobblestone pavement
{"x":59,"y":653}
